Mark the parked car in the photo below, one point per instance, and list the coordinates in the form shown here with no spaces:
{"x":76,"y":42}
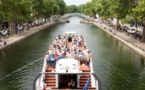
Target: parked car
{"x":125,"y":28}
{"x":4,"y":32}
{"x":138,"y":35}
{"x":131,"y":30}
{"x":119,"y":27}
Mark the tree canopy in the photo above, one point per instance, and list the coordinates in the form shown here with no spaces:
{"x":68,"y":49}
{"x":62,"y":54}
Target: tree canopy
{"x":71,"y":9}
{"x":27,"y":9}
{"x":124,"y":10}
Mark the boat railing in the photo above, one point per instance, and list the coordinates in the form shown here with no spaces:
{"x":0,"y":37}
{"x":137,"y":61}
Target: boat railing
{"x":41,"y":78}
{"x":36,"y":82}
{"x":92,"y":71}
{"x":98,"y":82}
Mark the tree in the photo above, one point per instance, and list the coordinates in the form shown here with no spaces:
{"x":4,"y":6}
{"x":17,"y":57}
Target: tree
{"x":28,"y":10}
{"x":71,"y":9}
{"x":61,"y":5}
{"x":139,"y":14}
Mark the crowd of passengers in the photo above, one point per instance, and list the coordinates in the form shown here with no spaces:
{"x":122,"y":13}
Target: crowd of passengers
{"x":68,"y":47}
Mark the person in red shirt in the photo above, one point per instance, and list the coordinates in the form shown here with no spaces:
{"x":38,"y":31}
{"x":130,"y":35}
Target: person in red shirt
{"x":56,"y":55}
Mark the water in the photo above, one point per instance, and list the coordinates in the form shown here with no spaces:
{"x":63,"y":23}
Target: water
{"x":117,"y":66}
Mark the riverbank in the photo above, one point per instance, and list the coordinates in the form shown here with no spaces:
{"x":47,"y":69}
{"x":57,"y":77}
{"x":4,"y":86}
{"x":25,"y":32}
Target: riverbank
{"x":20,"y":36}
{"x":134,"y":44}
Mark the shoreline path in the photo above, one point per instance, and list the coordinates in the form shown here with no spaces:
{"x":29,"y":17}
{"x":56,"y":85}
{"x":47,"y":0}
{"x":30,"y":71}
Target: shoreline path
{"x":21,"y":36}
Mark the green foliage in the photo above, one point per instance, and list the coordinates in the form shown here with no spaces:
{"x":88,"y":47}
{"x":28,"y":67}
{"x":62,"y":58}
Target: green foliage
{"x":139,"y":11}
{"x":26,"y":10}
{"x":61,"y":5}
{"x":89,"y":8}
{"x":71,"y":9}
{"x":127,"y":20}
{"x":108,"y":8}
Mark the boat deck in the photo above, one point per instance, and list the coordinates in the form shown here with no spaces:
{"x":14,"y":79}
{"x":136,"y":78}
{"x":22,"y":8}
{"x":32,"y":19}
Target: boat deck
{"x":50,"y":80}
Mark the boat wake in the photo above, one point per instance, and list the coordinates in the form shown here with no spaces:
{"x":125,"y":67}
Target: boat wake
{"x":22,"y":68}
{"x":112,"y":74}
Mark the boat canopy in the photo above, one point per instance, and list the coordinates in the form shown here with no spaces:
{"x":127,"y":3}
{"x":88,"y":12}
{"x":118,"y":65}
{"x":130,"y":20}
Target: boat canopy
{"x":67,"y":66}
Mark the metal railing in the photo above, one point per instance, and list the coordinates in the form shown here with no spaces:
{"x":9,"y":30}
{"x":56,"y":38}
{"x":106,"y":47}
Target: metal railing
{"x":35,"y":80}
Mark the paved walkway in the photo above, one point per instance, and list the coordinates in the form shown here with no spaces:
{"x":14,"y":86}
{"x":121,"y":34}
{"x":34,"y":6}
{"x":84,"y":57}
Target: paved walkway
{"x":135,"y":44}
{"x":22,"y":35}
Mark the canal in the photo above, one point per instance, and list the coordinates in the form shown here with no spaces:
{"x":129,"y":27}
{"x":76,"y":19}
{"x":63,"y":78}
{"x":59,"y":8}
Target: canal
{"x":117,"y":66}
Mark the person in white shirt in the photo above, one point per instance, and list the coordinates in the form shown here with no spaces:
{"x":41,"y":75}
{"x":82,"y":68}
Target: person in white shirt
{"x":47,"y":59}
{"x":68,"y":55}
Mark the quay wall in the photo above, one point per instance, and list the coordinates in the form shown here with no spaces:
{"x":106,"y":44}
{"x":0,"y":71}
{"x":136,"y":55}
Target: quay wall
{"x":23,"y":35}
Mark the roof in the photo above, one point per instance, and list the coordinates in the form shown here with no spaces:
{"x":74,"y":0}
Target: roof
{"x":71,"y":65}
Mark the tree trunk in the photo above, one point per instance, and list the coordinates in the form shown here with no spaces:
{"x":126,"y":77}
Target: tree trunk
{"x":117,"y":24}
{"x":123,"y":27}
{"x":94,"y":14}
{"x":143,"y":34}
{"x":1,"y":25}
{"x":44,"y":20}
{"x":10,"y":27}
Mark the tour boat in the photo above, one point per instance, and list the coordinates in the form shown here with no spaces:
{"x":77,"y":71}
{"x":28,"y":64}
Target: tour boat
{"x":58,"y":77}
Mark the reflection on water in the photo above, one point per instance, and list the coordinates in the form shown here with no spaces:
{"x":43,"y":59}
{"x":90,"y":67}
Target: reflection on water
{"x":142,"y":62}
{"x":117,"y":66}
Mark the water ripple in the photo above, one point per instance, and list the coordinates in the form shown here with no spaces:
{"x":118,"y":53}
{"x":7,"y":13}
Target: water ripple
{"x":21,"y":69}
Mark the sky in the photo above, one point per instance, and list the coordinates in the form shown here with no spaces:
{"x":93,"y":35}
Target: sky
{"x":76,"y":2}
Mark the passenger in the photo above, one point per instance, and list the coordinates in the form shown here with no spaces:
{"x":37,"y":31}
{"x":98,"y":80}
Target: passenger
{"x":61,"y":56}
{"x":47,"y":59}
{"x":56,"y":56}
{"x":69,"y":38}
{"x":61,"y":41}
{"x":59,"y":36}
{"x":64,"y":54}
{"x":85,"y":50}
{"x":52,"y":58}
{"x":57,"y":49}
{"x":54,"y":46}
{"x":64,"y":41}
{"x":73,"y":41}
{"x":67,"y":49}
{"x":80,"y":53}
{"x":81,"y":56}
{"x":50,"y":50}
{"x":69,"y":55}
{"x":88,"y":62}
{"x":89,"y":54}
{"x":75,"y":55}
{"x":83,"y":43}
{"x":56,"y":41}
{"x":71,"y":84}
{"x":88,"y":57}
{"x":79,"y":42}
